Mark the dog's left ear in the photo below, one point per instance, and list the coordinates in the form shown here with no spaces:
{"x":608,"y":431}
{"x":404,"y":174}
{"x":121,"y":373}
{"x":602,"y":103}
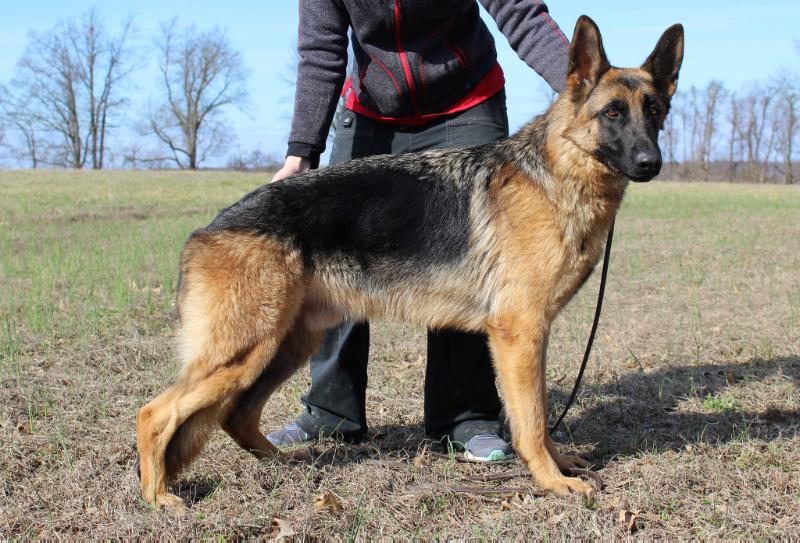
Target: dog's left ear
{"x":664,"y":62}
{"x":587,"y":58}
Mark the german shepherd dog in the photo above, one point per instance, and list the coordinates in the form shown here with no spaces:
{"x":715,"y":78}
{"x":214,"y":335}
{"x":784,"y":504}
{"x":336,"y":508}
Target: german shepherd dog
{"x":493,"y":239}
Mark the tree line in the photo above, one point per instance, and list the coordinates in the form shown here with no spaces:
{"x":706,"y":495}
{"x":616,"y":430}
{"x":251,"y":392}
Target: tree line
{"x":715,"y":133}
{"x":72,"y":89}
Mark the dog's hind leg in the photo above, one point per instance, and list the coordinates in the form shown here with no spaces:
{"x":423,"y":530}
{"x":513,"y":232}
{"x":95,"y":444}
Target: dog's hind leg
{"x":239,"y":298}
{"x":517,"y":343}
{"x":241,"y":416}
{"x":165,"y":446}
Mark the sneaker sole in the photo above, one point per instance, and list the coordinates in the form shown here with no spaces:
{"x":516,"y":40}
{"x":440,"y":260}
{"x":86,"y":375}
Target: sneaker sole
{"x":494,"y":456}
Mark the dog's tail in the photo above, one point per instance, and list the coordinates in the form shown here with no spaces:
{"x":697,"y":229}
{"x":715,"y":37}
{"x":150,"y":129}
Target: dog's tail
{"x":183,"y":267}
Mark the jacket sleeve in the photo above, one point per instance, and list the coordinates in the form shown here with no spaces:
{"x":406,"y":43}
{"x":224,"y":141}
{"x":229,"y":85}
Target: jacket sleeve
{"x":534,"y":36}
{"x":321,"y":69}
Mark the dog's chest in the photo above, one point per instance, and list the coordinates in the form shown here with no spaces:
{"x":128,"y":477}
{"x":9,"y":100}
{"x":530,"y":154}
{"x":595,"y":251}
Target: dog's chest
{"x":581,"y":254}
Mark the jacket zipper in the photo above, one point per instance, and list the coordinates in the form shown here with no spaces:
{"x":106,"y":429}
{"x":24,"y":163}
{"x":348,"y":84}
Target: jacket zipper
{"x":403,"y":58}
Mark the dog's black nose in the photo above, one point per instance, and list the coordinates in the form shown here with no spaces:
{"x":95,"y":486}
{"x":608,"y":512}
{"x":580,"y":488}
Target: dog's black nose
{"x":648,"y":162}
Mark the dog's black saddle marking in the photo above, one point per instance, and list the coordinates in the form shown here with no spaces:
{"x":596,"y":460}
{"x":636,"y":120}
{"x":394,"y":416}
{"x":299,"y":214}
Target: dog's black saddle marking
{"x":372,"y":211}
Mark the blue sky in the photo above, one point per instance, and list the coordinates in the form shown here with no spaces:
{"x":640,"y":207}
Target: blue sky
{"x":735,"y":42}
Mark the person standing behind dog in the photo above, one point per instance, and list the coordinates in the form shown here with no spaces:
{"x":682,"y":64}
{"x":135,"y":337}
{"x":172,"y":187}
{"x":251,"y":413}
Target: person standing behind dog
{"x":425,"y":77}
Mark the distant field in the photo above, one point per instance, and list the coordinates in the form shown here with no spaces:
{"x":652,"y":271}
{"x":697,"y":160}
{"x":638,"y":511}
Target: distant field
{"x":690,"y":410}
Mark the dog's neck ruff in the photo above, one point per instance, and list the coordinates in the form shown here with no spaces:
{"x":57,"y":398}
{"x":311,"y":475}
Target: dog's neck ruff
{"x":584,"y":192}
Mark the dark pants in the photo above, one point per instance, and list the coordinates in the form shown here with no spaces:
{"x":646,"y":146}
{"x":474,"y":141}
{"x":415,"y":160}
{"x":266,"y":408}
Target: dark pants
{"x":459,"y":379}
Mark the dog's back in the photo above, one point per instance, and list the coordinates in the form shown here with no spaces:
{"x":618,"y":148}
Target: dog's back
{"x":385,"y":208}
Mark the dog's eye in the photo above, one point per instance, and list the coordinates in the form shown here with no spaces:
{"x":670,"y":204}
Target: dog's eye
{"x":612,"y":113}
{"x":654,"y":111}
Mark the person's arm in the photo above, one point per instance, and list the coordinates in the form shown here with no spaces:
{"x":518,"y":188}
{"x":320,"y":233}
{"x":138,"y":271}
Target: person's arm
{"x":534,"y":36}
{"x":322,"y":46}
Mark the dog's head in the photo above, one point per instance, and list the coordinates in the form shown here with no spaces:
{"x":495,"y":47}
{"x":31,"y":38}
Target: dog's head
{"x":619,"y":111}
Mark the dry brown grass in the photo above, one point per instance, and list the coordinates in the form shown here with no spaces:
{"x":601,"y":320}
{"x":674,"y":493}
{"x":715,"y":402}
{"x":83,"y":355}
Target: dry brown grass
{"x":690,"y":410}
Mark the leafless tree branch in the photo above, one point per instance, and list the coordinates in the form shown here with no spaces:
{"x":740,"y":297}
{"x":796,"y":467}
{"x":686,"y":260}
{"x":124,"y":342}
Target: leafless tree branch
{"x":70,"y":76}
{"x":201,"y":75}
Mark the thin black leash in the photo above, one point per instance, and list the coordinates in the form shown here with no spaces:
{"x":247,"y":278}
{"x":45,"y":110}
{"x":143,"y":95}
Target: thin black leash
{"x":597,"y":310}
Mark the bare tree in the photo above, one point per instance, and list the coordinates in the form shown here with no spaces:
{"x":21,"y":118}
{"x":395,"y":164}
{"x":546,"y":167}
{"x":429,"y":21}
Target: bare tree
{"x":754,"y":132}
{"x":201,"y":75}
{"x":691,"y":122}
{"x":16,"y":116}
{"x":48,"y":75}
{"x":714,"y":92}
{"x":102,"y":65}
{"x":669,"y":136}
{"x":734,"y":141}
{"x":786,"y":123}
{"x":70,"y":77}
{"x":677,"y":112}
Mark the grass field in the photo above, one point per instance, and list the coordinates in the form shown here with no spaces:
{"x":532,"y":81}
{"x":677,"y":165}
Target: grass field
{"x":690,"y":409}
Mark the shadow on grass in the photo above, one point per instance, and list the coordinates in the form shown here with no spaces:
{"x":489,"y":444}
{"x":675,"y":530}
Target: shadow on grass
{"x":195,"y":490}
{"x":648,"y":411}
{"x":637,"y":412}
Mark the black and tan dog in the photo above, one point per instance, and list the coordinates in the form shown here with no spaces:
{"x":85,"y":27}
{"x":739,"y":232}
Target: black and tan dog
{"x":494,"y":239}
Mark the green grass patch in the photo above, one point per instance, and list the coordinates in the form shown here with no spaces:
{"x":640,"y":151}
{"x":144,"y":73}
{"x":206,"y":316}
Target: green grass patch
{"x":85,"y":254}
{"x":720,"y":402}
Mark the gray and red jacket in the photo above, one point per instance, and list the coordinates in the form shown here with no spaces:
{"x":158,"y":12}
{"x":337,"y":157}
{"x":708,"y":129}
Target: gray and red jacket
{"x":414,"y":59}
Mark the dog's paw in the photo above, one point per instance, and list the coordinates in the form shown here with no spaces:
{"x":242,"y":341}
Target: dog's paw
{"x":171,"y":502}
{"x":299,"y":455}
{"x":564,"y":486}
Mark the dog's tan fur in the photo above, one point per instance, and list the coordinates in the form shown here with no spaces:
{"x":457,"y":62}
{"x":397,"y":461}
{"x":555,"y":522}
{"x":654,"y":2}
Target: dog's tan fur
{"x":251,"y":312}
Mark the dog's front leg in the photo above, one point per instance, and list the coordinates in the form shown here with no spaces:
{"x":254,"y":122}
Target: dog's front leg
{"x":565,"y":462}
{"x":518,"y":343}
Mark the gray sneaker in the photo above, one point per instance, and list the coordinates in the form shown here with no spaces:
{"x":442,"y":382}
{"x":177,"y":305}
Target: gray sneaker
{"x":291,"y":434}
{"x":487,"y":447}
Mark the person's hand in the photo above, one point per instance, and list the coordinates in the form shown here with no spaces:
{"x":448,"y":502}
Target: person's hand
{"x":292,"y":165}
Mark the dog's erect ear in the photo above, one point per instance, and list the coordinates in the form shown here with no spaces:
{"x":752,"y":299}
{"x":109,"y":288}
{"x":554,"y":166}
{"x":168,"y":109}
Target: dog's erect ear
{"x":664,"y":62}
{"x":587,"y":58}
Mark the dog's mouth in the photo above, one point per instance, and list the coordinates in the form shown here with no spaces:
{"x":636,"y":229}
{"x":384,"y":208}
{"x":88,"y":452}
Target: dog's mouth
{"x":640,"y":178}
{"x":613,"y":168}
{"x":636,"y":178}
